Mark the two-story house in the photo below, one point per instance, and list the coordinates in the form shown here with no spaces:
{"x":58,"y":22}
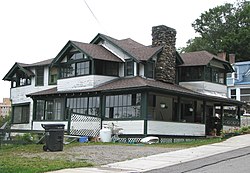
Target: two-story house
{"x":238,"y":82}
{"x":145,"y":90}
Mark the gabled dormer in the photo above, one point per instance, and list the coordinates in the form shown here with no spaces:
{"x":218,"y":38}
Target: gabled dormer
{"x":19,"y":75}
{"x":82,"y":59}
{"x":139,"y":60}
{"x":203,"y":66}
{"x":36,"y":74}
{"x":204,"y":72}
{"x":83,"y":65}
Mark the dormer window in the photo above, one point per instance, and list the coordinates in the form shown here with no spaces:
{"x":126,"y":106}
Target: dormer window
{"x":76,"y":56}
{"x":20,"y":79}
{"x":77,"y":65}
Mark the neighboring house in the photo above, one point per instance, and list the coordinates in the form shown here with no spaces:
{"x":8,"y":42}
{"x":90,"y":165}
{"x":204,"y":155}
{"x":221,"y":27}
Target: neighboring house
{"x":141,"y":89}
{"x":5,"y":107}
{"x":238,"y":83}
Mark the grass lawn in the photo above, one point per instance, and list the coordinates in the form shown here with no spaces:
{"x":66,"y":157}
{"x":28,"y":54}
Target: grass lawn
{"x":13,"y":160}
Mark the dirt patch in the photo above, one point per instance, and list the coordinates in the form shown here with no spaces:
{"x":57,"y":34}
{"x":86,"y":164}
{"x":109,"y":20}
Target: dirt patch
{"x":101,"y":154}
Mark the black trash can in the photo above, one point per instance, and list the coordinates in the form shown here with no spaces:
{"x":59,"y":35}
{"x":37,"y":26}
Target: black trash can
{"x":54,"y":134}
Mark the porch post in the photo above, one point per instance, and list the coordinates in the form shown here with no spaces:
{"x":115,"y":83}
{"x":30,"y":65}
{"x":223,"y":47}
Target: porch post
{"x":238,"y":113}
{"x":179,"y":109}
{"x":194,"y":110}
{"x":205,"y":116}
{"x":222,"y":117}
{"x":102,"y":106}
{"x":144,"y":111}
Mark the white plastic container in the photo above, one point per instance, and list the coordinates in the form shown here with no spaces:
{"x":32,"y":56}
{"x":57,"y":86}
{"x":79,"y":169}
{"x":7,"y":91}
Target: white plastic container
{"x":105,"y":135}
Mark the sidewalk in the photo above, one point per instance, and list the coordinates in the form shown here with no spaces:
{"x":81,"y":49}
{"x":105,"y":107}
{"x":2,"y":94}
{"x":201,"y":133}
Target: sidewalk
{"x":166,"y":159}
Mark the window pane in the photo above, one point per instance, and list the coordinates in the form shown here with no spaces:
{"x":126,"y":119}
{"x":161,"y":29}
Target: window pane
{"x":120,"y":100}
{"x":112,"y":101}
{"x":21,"y":114}
{"x":150,"y":69}
{"x":40,"y":76}
{"x":49,"y":110}
{"x":107,"y":101}
{"x":129,"y":68}
{"x":17,"y":113}
{"x":40,"y":110}
{"x":233,"y":91}
{"x":122,"y":107}
{"x":83,"y":68}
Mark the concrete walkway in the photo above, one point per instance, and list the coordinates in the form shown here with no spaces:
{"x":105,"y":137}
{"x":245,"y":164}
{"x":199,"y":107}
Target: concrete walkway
{"x":166,"y":159}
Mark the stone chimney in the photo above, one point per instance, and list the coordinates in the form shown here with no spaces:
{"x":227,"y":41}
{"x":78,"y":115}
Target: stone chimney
{"x":231,"y":58}
{"x":165,"y":65}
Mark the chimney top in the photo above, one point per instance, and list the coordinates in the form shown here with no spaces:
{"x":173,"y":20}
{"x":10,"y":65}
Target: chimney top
{"x":222,"y":55}
{"x":231,"y":58}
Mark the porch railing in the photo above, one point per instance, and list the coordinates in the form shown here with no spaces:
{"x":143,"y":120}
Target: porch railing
{"x":231,"y":121}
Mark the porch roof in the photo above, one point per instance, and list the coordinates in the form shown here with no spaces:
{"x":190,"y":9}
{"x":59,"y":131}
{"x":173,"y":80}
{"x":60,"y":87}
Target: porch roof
{"x":139,"y":83}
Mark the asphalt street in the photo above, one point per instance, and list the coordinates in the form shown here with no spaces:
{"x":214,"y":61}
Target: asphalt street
{"x":230,"y":162}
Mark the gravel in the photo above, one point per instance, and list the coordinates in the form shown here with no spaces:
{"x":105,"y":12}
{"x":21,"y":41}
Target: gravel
{"x":101,"y":154}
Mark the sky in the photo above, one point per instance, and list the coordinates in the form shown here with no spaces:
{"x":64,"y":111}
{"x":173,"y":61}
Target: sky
{"x":36,"y":30}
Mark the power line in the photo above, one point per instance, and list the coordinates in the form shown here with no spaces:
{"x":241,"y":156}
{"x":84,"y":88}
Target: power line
{"x":95,"y":16}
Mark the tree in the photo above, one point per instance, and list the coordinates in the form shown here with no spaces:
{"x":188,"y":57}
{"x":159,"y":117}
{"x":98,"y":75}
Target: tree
{"x":225,"y":28}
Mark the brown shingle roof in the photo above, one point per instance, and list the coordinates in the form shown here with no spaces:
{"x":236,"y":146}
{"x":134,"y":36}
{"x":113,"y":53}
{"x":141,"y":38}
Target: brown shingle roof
{"x":96,"y":51}
{"x":135,"y":49}
{"x":40,"y":63}
{"x":137,"y":82}
{"x":198,"y":58}
{"x":122,"y":84}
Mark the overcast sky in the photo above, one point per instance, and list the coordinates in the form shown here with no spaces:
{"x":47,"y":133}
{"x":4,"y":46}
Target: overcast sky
{"x":36,"y":30}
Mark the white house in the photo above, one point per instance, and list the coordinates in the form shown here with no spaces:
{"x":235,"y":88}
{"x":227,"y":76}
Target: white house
{"x":146,"y":90}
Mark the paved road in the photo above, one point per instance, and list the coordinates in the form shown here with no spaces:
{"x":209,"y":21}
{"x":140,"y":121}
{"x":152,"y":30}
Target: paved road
{"x":229,"y":162}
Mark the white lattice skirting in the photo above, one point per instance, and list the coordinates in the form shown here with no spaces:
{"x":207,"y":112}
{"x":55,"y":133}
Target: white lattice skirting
{"x":83,"y":125}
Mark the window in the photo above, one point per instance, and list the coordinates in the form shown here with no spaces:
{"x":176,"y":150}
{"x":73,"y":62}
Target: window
{"x":68,"y":70}
{"x":75,"y":69}
{"x":77,"y":65}
{"x":218,"y":76}
{"x":21,"y":114}
{"x":84,"y":105}
{"x":49,"y":110}
{"x":123,"y":106}
{"x":245,"y":94}
{"x":53,"y":75}
{"x":20,"y":79}
{"x":106,"y":68}
{"x":192,"y":73}
{"x":39,"y":76}
{"x":76,"y":56}
{"x":150,"y":67}
{"x":40,"y":107}
{"x":82,"y":68}
{"x":129,"y":70}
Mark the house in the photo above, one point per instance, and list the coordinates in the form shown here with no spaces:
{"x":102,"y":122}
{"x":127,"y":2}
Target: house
{"x":145,"y":90}
{"x":5,"y":107}
{"x":238,"y":84}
